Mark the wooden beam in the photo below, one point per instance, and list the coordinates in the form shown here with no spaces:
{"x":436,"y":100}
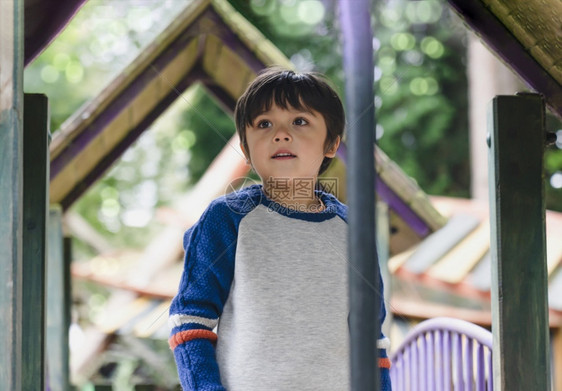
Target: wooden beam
{"x":11,"y":174}
{"x":58,"y":302}
{"x":517,"y":225}
{"x":35,"y":204}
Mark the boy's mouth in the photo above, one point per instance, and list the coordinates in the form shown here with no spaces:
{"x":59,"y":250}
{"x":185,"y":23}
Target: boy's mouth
{"x":281,"y":155}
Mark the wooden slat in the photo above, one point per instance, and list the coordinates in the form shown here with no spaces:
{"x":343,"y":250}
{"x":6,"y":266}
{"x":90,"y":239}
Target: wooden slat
{"x":35,"y":206}
{"x":517,"y":223}
{"x":440,"y":243}
{"x":153,"y":321}
{"x":178,"y":67}
{"x":454,"y":266}
{"x":212,"y":51}
{"x":398,"y":260}
{"x":481,"y":276}
{"x":114,"y":318}
{"x":11,"y":163}
{"x":116,"y":130}
{"x":264,"y":50}
{"x":407,"y":190}
{"x":229,"y":69}
{"x":58,"y":303}
{"x":553,"y":242}
{"x":555,"y":291}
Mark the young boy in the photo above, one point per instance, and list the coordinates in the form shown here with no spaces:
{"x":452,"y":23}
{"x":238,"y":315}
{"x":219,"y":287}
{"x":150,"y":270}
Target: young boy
{"x":268,"y":264}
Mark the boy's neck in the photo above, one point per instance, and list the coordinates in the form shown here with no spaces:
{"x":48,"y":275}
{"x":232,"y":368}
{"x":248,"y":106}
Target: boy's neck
{"x":294,"y":193}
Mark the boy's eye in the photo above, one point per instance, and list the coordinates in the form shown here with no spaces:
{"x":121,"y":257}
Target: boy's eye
{"x":264,"y":124}
{"x":300,"y":121}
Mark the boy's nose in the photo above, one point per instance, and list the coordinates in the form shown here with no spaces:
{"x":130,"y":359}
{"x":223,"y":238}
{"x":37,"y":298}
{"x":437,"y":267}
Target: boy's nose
{"x":282,"y":134}
{"x":286,"y":138}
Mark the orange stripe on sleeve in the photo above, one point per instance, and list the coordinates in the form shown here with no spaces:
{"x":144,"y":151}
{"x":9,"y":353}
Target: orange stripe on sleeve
{"x":188,"y":335}
{"x":384,"y":363}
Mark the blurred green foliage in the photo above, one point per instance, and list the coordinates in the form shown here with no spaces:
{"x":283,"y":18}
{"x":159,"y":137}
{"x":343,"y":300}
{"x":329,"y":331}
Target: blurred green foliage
{"x":420,"y":79}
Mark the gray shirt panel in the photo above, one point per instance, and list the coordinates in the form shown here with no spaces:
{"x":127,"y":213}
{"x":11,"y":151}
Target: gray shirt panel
{"x":285,"y":323}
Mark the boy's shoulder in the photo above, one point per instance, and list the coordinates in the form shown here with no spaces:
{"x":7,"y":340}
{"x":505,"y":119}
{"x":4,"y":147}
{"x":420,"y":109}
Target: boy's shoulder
{"x":238,"y":202}
{"x":333,"y":204}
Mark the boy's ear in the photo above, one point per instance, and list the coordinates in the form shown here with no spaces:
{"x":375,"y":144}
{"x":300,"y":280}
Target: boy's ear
{"x":245,"y":153}
{"x":333,"y":149}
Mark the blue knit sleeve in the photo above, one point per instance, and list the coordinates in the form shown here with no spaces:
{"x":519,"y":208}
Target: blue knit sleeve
{"x":204,"y":287}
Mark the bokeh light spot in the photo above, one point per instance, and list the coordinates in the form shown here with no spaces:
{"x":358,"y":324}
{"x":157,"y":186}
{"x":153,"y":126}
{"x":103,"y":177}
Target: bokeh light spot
{"x":419,"y":86}
{"x":402,"y":41}
{"x":74,"y":72}
{"x":60,"y":61}
{"x":388,"y":85}
{"x":311,"y":11}
{"x":263,"y":7}
{"x":432,"y":47}
{"x":556,"y":180}
{"x":49,"y":74}
{"x":289,"y":13}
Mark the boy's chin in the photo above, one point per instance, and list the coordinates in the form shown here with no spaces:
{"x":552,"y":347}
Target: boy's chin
{"x":289,"y":178}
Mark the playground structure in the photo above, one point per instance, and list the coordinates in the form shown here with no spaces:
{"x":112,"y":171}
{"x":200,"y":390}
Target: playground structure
{"x":98,"y":134}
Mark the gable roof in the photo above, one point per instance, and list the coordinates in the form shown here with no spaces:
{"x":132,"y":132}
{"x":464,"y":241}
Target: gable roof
{"x":450,"y":270}
{"x":207,"y":43}
{"x":43,"y":21}
{"x":526,"y":35}
{"x":211,"y":44}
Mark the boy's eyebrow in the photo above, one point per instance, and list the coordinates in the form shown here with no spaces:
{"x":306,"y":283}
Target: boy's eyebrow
{"x":296,"y":111}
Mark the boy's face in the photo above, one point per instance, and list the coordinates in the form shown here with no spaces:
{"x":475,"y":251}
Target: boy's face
{"x":287,"y":144}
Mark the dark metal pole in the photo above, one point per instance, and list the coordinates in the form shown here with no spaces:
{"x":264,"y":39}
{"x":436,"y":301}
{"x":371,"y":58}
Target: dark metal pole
{"x":363,"y":266}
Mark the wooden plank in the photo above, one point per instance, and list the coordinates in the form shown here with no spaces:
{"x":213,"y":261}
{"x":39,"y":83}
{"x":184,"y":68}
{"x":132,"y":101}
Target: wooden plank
{"x":58,"y":302}
{"x":11,"y":173}
{"x":455,"y":265}
{"x":440,"y":243}
{"x":35,"y":204}
{"x":399,"y":259}
{"x":517,"y":224}
{"x":553,"y":242}
{"x":480,"y":278}
{"x":555,"y":291}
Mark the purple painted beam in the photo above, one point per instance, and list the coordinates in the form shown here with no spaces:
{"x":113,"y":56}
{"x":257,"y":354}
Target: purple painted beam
{"x":393,"y":200}
{"x":44,"y":20}
{"x":116,"y":152}
{"x":121,"y":102}
{"x":231,"y":40}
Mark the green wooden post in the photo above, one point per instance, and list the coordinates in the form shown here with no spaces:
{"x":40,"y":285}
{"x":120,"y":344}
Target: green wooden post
{"x":518,"y":249}
{"x":58,"y":304}
{"x":11,"y":174}
{"x":35,"y":204}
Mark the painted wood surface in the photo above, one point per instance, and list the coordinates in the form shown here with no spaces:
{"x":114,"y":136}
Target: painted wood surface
{"x":11,"y":170}
{"x":517,"y":224}
{"x":58,"y":302}
{"x":35,"y":204}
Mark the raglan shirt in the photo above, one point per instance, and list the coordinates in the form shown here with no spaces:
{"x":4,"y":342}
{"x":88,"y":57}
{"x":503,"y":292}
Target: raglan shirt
{"x":272,"y":282}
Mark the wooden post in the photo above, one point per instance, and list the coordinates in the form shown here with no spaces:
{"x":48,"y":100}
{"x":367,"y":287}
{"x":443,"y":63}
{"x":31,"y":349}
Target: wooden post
{"x":35,"y":203}
{"x":11,"y":174}
{"x":58,"y":303}
{"x":517,"y":221}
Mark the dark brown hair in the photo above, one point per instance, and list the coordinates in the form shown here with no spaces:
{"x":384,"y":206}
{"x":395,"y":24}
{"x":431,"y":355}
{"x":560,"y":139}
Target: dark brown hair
{"x":287,"y":89}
